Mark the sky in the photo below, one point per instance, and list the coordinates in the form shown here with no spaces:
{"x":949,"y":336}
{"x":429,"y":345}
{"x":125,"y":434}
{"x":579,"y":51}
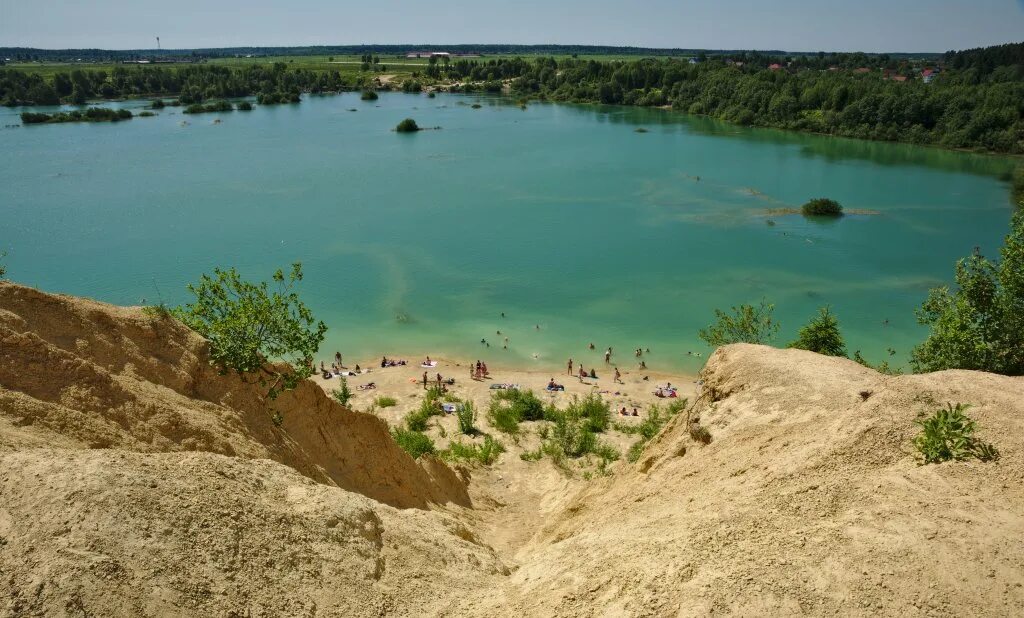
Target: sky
{"x":791,"y":25}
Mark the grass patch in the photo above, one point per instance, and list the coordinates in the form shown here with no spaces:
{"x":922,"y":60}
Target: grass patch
{"x":510,"y":407}
{"x":948,"y":435}
{"x":415,"y":443}
{"x":466,"y":416}
{"x":651,"y":425}
{"x":385,"y":401}
{"x":483,"y":454}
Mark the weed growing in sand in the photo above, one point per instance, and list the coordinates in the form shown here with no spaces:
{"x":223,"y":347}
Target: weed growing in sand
{"x":650,"y":426}
{"x":343,"y":394}
{"x":385,"y":401}
{"x":948,"y":435}
{"x":747,"y":324}
{"x":484,"y":454}
{"x":415,"y":443}
{"x":430,"y":406}
{"x":466,"y":416}
{"x":3,"y":269}
{"x":531,"y":455}
{"x":157,"y":312}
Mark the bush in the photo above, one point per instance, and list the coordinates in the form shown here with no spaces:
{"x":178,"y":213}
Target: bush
{"x":821,"y":335}
{"x":948,"y":434}
{"x":385,"y":402}
{"x":417,"y":421}
{"x":369,"y":95}
{"x":699,"y":433}
{"x":415,"y":443}
{"x":510,"y":407}
{"x":146,"y":115}
{"x":980,"y":325}
{"x":245,"y":106}
{"x":466,"y":415}
{"x":200,"y":108}
{"x":407,"y":126}
{"x":822,"y":207}
{"x":593,"y":410}
{"x":747,"y":324}
{"x":247,"y":323}
{"x":157,"y":104}
{"x":343,"y":394}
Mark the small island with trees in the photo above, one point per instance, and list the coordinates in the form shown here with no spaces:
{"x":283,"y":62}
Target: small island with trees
{"x":822,"y":207}
{"x":407,"y":126}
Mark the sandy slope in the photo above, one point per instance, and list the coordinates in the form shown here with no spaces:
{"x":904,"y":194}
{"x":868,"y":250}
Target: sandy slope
{"x":808,"y":501}
{"x":134,"y":480}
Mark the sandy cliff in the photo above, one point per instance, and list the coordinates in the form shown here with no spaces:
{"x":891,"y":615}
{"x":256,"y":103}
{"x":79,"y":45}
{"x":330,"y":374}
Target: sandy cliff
{"x":136,"y":480}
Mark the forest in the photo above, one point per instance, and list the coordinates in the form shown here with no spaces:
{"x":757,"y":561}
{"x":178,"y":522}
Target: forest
{"x":971,"y":99}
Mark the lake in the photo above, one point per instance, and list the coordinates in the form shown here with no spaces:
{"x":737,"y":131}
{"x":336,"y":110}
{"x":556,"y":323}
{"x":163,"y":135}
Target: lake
{"x":563,"y":217}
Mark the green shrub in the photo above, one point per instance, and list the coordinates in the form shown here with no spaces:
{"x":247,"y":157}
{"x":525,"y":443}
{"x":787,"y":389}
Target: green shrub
{"x":948,"y":434}
{"x":531,"y":455}
{"x":650,"y":426}
{"x":245,"y":106}
{"x":343,"y":394}
{"x":369,"y":95}
{"x":415,"y":443}
{"x":510,"y":407}
{"x":466,"y":416}
{"x":146,"y":114}
{"x":822,"y":207}
{"x":407,"y":126}
{"x":747,"y":324}
{"x":430,"y":406}
{"x":592,"y":410}
{"x":157,"y":104}
{"x":821,"y":335}
{"x":386,"y":402}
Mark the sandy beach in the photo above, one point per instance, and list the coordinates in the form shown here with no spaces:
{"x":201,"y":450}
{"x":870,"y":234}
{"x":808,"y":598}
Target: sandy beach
{"x":405,"y":384}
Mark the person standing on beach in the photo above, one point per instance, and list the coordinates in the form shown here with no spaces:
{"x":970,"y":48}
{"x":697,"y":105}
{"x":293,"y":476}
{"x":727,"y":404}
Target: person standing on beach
{"x":608,"y":356}
{"x":424,"y":380}
{"x":618,"y":376}
{"x":569,"y":372}
{"x":583,"y":373}
{"x":337,"y":359}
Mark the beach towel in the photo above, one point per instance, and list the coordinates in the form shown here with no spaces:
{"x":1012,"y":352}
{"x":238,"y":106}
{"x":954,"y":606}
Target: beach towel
{"x":429,"y":365}
{"x":450,"y":408}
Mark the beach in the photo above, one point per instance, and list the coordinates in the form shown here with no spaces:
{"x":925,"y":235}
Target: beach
{"x":405,"y":384}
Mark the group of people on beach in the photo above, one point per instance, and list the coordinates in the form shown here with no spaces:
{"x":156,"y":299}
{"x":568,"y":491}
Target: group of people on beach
{"x":478,"y":371}
{"x":390,"y":362}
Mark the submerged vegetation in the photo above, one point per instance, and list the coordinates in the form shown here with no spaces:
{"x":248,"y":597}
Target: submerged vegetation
{"x":202,"y":108}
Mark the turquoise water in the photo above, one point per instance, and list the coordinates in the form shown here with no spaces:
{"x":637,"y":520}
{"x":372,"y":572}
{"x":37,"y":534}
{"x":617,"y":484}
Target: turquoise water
{"x":559,"y":216}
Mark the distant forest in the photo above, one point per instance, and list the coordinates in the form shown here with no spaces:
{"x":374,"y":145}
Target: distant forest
{"x":967,"y":99}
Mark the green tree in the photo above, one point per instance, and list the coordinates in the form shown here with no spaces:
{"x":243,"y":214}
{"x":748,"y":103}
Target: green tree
{"x":407,"y":126}
{"x":822,"y":207}
{"x":821,"y":335}
{"x":250,"y":327}
{"x":981,"y":324}
{"x":746,"y":324}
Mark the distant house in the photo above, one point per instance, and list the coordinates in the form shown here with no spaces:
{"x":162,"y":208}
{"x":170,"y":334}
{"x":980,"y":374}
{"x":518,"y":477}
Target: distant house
{"x":774,"y":67}
{"x":694,"y":61}
{"x":928,"y":75}
{"x":862,"y":70}
{"x":899,"y":78}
